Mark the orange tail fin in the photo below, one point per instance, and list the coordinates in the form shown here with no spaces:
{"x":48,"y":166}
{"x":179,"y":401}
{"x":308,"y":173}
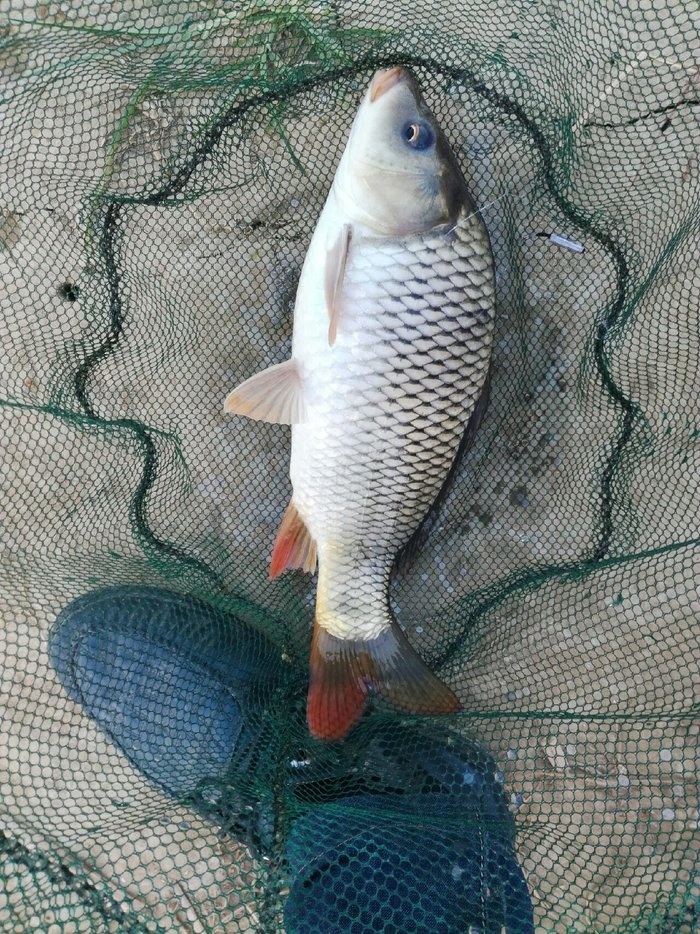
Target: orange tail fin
{"x":342,"y":671}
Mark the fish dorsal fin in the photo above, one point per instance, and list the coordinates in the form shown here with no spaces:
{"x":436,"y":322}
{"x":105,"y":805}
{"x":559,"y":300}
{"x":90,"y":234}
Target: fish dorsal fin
{"x":333,"y":285}
{"x":294,"y":547}
{"x":273,"y":395}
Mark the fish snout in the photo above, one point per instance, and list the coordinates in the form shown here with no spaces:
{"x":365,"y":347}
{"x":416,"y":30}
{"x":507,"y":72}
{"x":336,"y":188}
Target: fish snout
{"x":384,"y":80}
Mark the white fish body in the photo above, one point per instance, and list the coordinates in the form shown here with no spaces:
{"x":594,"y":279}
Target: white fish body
{"x":393,"y":326}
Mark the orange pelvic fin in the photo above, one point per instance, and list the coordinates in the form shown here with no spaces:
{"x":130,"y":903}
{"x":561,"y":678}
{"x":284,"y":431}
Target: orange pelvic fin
{"x":342,"y":671}
{"x":294,"y":547}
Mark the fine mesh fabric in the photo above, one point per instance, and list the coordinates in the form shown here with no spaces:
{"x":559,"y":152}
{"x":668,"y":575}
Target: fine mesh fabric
{"x":162,"y":169}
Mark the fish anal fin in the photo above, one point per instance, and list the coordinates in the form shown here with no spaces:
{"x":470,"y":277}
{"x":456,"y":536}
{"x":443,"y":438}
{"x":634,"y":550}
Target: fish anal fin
{"x":334,"y":275}
{"x":343,"y":671}
{"x":294,"y":547}
{"x":273,"y":395}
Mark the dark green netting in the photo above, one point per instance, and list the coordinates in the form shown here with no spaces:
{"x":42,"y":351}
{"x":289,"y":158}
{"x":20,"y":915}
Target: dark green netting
{"x":161,"y":171}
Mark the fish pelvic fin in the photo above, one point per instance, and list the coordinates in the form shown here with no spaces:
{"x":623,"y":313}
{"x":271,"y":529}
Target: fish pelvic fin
{"x":294,"y":547}
{"x":343,"y":671}
{"x":273,"y":395}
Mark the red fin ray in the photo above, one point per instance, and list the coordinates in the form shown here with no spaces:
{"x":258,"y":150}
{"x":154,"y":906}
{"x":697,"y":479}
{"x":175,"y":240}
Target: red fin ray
{"x":342,"y":671}
{"x":337,"y":687}
{"x":294,"y":547}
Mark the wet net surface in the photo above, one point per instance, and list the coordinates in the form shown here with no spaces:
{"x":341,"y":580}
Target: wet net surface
{"x":161,"y":173}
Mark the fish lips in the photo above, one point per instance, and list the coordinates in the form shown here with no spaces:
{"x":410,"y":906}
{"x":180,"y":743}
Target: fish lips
{"x":383,"y":81}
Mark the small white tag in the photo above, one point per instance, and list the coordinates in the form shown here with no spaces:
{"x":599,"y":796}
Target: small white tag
{"x":566,"y":243}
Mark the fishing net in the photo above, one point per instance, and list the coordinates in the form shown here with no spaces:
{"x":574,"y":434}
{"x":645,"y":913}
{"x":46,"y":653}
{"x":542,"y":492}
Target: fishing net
{"x":162,"y":169}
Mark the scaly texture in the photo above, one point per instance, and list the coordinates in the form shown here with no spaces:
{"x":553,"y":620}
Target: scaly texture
{"x":388,"y":407}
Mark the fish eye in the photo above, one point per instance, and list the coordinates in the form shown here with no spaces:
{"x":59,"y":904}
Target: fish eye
{"x":418,"y":135}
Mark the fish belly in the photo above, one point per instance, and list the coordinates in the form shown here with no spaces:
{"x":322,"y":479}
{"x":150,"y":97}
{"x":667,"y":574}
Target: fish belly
{"x":386,"y":406}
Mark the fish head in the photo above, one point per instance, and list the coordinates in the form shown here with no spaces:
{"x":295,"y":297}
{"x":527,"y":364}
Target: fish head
{"x":398,"y":175}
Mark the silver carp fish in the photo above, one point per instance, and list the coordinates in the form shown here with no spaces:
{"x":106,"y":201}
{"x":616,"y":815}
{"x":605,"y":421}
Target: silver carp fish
{"x":387,"y":382}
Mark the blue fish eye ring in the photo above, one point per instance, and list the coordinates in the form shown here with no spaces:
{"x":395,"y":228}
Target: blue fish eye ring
{"x":418,"y":134}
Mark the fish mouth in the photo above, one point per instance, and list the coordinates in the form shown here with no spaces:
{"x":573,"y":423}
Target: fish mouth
{"x":384,"y":80}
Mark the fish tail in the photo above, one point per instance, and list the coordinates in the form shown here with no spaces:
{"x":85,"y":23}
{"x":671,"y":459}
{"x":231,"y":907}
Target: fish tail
{"x":343,"y":671}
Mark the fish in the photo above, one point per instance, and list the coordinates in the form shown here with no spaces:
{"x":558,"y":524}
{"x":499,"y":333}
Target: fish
{"x":385,"y":387}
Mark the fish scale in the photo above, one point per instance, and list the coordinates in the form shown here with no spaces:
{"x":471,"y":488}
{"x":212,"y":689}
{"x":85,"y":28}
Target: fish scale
{"x":371,"y":431}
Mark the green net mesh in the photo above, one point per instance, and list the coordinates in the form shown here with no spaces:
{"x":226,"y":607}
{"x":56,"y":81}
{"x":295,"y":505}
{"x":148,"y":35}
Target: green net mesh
{"x":162,"y":168}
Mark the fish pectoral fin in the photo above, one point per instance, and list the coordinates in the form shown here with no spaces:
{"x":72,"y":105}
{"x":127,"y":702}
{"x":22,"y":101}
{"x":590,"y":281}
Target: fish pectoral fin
{"x":273,"y":395}
{"x":342,"y":671}
{"x":294,"y":547}
{"x":333,"y":284}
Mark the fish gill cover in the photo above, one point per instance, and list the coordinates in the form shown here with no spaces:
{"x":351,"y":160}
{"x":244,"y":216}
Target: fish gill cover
{"x":163,"y":167}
